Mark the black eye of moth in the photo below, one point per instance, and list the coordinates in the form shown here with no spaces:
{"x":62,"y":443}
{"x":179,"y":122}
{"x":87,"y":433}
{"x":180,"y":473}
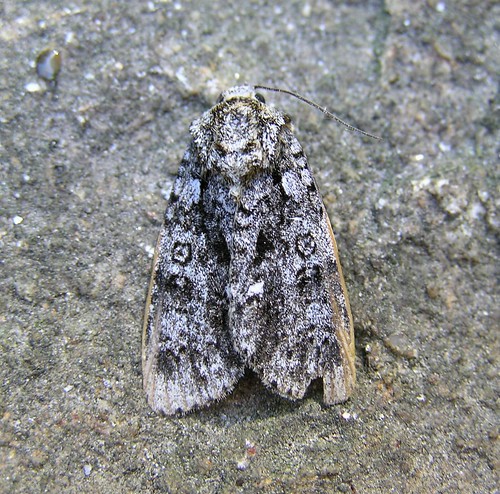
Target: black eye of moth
{"x":260,"y":98}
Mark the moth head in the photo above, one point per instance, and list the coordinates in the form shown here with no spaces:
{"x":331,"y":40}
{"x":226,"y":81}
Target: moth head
{"x":240,"y":92}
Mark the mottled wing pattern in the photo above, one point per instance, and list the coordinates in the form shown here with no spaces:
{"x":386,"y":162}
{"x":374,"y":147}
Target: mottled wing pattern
{"x":188,"y":357}
{"x":246,"y":271}
{"x":289,"y":312}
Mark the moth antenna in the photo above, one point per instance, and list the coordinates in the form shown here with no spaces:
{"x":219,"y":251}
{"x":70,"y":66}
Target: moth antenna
{"x":323,"y":110}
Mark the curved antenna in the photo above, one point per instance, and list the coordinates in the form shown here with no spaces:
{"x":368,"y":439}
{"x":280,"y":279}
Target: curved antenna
{"x":327,"y":113}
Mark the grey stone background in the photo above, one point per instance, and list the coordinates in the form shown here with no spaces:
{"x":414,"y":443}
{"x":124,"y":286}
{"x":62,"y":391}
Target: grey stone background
{"x":85,"y":170}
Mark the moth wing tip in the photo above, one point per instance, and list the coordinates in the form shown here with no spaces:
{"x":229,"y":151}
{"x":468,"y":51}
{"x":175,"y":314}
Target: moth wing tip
{"x":169,"y":397}
{"x":338,"y":385}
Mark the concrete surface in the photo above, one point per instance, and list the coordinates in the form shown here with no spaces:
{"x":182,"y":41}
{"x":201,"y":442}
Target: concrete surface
{"x":85,"y":168}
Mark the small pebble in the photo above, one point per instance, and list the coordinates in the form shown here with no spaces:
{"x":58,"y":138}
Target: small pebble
{"x":48,"y":64}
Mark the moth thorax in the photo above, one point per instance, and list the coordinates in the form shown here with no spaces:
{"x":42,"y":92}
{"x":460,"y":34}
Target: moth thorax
{"x":237,"y":160}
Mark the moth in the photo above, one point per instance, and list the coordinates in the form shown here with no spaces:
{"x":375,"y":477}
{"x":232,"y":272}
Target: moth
{"x":246,"y":272}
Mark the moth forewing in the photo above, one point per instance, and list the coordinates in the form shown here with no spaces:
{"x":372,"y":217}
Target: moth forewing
{"x":339,"y":383}
{"x":150,"y":340}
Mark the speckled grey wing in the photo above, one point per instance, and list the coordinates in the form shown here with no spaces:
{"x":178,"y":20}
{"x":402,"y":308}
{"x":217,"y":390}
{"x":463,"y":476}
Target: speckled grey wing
{"x":188,"y":360}
{"x":289,"y":311}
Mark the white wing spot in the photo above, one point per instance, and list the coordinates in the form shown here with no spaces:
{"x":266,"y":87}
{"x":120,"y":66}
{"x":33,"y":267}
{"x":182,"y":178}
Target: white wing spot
{"x":256,"y":288}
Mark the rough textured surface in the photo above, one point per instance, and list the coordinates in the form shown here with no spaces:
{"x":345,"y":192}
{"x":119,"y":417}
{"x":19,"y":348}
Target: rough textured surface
{"x":85,"y":171}
{"x":246,"y":272}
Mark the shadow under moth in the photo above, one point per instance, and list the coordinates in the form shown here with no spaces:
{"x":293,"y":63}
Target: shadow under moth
{"x":246,"y":272}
